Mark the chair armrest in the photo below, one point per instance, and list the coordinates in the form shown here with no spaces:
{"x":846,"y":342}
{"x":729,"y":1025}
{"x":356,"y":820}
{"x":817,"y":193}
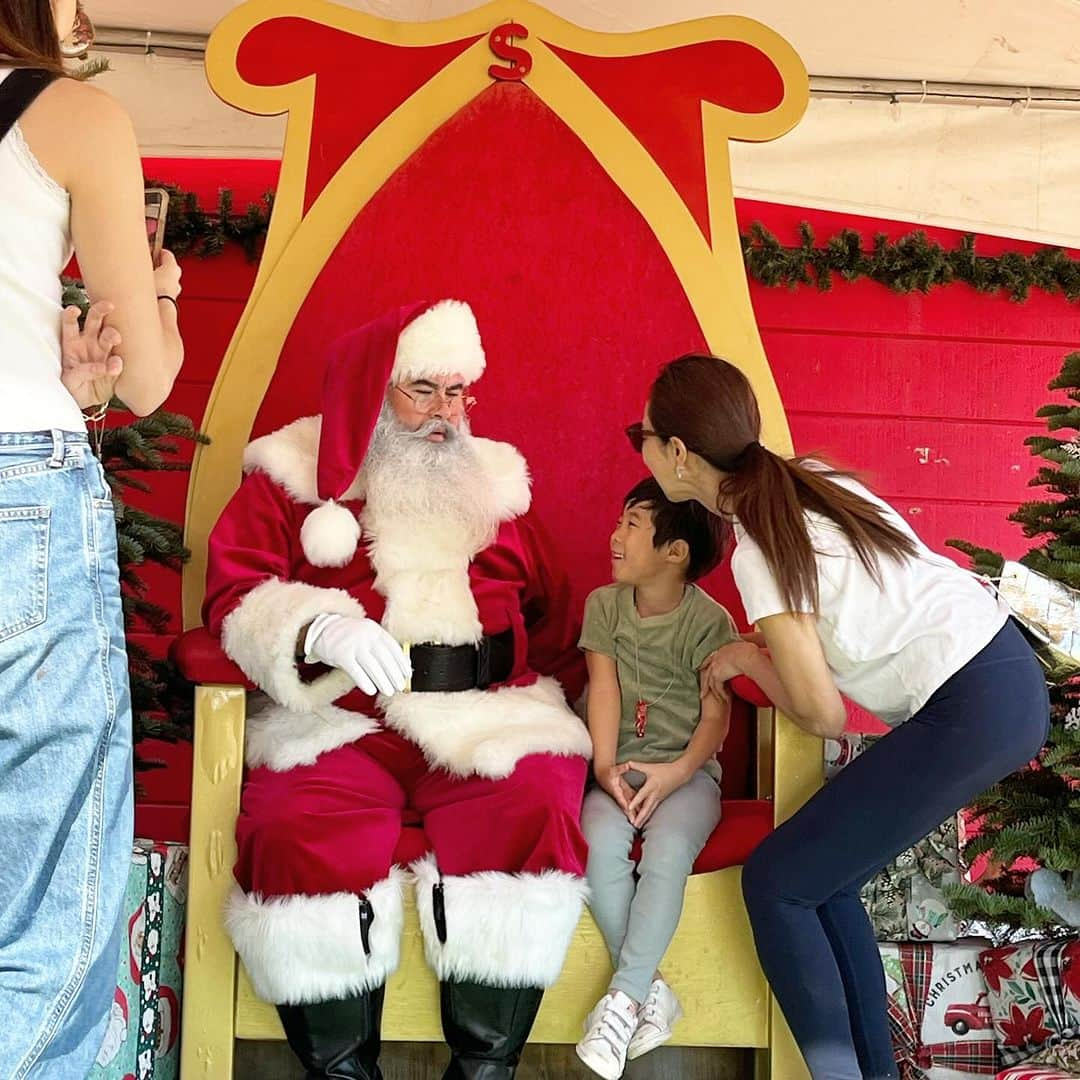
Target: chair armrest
{"x":744,"y":687}
{"x":798,"y":761}
{"x":200,"y":659}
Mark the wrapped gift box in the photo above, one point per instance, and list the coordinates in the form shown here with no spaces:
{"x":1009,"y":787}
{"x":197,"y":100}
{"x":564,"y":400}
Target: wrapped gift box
{"x":1058,"y":1062}
{"x":1035,"y":1072}
{"x":906,"y":901}
{"x":141,"y":1040}
{"x":1034,"y":995}
{"x":941,"y":1024}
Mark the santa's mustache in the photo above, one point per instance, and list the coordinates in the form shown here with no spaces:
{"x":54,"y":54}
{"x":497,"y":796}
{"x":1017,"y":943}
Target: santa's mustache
{"x":434,"y":427}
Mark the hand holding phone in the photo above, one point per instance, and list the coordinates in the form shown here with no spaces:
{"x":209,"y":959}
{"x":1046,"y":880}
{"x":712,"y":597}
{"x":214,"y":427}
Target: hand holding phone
{"x":157,"y":209}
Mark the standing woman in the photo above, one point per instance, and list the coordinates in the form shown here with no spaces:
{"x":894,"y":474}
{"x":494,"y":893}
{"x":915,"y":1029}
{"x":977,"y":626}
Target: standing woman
{"x":849,"y":601}
{"x":70,"y":176}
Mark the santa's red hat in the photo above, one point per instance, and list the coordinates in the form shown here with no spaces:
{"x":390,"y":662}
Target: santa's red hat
{"x":416,"y":341}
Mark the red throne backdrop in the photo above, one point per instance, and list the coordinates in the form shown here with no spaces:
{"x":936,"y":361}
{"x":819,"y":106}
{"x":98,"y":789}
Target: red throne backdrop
{"x":930,"y":397}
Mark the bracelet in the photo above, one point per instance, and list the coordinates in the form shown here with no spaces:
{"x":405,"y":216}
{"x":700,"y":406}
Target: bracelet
{"x":172,"y":300}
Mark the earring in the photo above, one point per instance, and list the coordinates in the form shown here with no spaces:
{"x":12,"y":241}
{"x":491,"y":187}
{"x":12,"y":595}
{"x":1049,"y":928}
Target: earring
{"x":679,"y":473}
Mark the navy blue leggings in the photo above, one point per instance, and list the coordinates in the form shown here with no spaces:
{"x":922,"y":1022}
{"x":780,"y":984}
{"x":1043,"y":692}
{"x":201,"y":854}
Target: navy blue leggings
{"x":801,"y":885}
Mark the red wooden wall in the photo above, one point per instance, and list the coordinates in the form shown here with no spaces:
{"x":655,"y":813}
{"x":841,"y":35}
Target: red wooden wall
{"x":931,"y":397}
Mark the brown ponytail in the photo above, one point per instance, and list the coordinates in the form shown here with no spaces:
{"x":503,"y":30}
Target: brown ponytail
{"x":708,"y":404}
{"x":28,"y":35}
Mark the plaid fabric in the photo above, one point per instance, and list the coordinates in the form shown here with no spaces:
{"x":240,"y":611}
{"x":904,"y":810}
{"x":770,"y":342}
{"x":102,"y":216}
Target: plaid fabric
{"x":1026,"y":1072}
{"x":916,"y":1059}
{"x":1049,"y":961}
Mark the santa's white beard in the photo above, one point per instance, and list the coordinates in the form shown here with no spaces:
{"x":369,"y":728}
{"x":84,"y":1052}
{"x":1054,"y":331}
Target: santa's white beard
{"x":405,"y":478}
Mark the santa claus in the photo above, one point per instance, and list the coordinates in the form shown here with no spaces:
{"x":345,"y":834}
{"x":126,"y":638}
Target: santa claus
{"x":380,"y":577}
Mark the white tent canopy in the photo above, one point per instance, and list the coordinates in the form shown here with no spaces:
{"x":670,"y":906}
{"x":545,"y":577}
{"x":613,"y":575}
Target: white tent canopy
{"x":932,"y":158}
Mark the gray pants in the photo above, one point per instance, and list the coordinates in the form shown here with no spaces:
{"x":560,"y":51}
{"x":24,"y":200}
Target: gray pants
{"x":638,"y":919}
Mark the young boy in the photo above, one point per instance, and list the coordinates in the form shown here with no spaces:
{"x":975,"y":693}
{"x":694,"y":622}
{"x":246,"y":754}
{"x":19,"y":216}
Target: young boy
{"x":654,"y":744}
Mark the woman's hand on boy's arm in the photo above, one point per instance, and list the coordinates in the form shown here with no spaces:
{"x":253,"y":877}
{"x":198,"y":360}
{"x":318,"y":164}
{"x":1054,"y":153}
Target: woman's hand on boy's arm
{"x":729,"y":660}
{"x":793,"y":674}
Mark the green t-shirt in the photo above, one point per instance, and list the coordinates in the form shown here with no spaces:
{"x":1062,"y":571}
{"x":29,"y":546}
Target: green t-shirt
{"x":667,"y":651}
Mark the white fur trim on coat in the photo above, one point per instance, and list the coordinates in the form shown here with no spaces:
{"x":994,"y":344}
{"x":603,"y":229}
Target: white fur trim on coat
{"x":261,"y":632}
{"x":424,"y":575}
{"x":300,"y":949}
{"x":501,"y":929}
{"x":289,"y":456}
{"x":508,"y":477}
{"x":281,"y":738}
{"x":487,"y":732}
{"x":443,"y":340}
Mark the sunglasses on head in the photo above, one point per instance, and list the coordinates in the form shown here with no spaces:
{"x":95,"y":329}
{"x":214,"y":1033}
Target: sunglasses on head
{"x":637,"y":434}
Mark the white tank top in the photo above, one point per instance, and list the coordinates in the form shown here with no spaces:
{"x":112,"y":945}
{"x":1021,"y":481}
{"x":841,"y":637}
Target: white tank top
{"x":35,"y":246}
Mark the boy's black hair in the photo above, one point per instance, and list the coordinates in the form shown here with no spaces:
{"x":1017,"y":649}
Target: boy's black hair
{"x":706,"y":534}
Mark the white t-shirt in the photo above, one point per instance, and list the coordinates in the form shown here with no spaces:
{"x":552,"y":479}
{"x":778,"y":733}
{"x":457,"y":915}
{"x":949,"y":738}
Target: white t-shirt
{"x":35,"y":246}
{"x":889,"y":646}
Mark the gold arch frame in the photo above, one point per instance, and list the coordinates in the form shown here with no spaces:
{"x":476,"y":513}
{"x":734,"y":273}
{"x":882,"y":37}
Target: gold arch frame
{"x":299,"y":244}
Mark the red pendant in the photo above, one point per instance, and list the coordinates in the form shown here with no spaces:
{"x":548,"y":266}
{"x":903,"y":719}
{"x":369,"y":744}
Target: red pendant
{"x":641,"y":719}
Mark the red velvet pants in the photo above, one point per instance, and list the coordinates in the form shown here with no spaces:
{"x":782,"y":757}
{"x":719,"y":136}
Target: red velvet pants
{"x":333,"y":826}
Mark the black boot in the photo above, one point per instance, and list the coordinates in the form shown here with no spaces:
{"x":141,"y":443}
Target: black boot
{"x":337,"y":1040}
{"x":486,"y":1028}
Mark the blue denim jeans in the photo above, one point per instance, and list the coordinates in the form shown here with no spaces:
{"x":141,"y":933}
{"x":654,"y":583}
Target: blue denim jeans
{"x":65,"y":756}
{"x":801,"y":884}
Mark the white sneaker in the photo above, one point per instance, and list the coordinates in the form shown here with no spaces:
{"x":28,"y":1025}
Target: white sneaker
{"x":608,"y":1030}
{"x":656,"y":1018}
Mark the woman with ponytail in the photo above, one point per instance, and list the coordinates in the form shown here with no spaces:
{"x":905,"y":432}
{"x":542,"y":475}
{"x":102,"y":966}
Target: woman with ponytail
{"x":848,"y":602}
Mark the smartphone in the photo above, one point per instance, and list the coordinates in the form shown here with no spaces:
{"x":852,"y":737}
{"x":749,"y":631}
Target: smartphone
{"x":157,"y":208}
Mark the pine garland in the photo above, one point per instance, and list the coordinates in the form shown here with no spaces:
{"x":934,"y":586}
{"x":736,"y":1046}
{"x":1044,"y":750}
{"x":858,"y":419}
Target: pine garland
{"x":913,"y":263}
{"x":191,"y":230}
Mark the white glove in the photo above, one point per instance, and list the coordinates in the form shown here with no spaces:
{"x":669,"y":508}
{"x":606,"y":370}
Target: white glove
{"x":362,"y":649}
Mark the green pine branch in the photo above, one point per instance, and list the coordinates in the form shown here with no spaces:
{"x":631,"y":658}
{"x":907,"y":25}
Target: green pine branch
{"x":161,"y":702}
{"x":973,"y":902}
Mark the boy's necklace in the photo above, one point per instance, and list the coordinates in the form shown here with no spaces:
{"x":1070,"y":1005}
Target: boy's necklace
{"x":641,"y":709}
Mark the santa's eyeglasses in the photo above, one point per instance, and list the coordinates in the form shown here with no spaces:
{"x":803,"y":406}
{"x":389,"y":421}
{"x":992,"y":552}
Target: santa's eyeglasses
{"x":426,"y":397}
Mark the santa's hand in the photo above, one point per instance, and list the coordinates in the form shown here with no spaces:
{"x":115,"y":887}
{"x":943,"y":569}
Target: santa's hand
{"x":362,"y":649}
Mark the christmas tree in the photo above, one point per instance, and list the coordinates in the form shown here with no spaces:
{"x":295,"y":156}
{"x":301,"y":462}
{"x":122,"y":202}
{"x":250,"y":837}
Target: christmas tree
{"x":1034,"y":814}
{"x":160,"y":698}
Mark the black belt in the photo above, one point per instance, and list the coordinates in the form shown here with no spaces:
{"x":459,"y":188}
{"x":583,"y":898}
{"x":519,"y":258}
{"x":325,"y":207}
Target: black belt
{"x":463,"y":667}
